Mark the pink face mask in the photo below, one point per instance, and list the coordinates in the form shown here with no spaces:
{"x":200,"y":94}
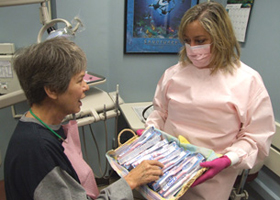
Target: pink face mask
{"x":199,"y":55}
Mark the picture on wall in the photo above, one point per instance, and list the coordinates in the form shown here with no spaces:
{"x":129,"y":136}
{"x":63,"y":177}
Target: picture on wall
{"x":152,"y":25}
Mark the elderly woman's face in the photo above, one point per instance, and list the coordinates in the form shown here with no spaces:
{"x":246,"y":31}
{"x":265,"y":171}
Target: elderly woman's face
{"x":195,"y":34}
{"x":70,"y":101}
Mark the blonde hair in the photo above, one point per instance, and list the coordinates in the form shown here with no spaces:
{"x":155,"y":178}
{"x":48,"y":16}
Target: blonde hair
{"x":215,"y":20}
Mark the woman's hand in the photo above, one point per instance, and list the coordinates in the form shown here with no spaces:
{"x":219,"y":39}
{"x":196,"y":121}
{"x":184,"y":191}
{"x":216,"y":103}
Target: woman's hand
{"x":146,"y":172}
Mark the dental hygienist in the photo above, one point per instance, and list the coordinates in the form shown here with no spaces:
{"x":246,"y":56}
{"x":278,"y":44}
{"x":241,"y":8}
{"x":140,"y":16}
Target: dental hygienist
{"x":36,"y":167}
{"x":215,"y":101}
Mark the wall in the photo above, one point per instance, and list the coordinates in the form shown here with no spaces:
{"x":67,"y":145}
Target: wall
{"x":19,"y":25}
{"x":137,"y":75}
{"x":103,"y":42}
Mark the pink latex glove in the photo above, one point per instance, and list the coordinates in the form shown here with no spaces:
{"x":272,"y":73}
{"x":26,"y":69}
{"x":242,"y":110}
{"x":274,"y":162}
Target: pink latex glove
{"x":215,"y":166}
{"x":140,"y":131}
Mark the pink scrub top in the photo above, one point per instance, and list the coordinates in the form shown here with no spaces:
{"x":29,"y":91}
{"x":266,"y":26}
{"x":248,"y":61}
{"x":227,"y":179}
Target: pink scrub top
{"x":223,"y":112}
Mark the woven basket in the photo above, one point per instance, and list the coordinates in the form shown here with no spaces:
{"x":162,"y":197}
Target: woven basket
{"x":145,"y":190}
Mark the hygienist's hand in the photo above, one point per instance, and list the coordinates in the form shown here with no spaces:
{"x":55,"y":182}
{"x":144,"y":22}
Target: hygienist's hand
{"x":140,"y":131}
{"x":146,"y":172}
{"x":215,"y":166}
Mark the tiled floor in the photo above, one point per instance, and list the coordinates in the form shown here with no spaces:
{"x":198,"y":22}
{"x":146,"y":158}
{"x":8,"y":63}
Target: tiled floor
{"x":253,"y":194}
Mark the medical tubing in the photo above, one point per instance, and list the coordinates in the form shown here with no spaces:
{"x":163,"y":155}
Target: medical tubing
{"x":117,"y":114}
{"x":106,"y":168}
{"x":116,"y":129}
{"x":106,"y":148}
{"x":106,"y":139}
{"x":84,"y":141}
{"x":103,"y":173}
{"x":145,"y":110}
{"x":98,"y":153}
{"x":106,"y":144}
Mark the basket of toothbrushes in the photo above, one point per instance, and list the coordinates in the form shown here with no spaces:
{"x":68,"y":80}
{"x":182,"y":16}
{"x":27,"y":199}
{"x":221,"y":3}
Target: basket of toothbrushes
{"x":181,"y":162}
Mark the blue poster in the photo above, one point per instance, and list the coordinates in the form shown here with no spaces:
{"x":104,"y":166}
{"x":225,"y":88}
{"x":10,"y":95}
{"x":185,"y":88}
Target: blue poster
{"x":152,"y":25}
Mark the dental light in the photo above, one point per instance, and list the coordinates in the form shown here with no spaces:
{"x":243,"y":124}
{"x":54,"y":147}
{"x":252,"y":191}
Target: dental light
{"x":18,"y":96}
{"x":48,"y":25}
{"x":68,"y":31}
{"x":19,"y":2}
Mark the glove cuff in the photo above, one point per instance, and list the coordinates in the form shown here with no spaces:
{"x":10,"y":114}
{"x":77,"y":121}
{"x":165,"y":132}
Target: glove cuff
{"x":233,"y":157}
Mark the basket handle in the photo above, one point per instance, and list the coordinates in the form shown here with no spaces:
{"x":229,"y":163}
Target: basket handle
{"x":124,"y":130}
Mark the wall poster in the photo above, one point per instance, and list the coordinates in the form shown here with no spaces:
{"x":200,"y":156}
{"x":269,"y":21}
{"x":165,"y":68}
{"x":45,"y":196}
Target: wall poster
{"x":152,"y":25}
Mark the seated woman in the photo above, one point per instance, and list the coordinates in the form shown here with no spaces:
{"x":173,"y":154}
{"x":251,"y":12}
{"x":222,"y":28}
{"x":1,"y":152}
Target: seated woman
{"x":36,"y":167}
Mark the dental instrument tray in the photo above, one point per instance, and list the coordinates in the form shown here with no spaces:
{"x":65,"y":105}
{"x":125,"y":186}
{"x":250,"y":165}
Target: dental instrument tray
{"x":93,"y":79}
{"x":181,"y":162}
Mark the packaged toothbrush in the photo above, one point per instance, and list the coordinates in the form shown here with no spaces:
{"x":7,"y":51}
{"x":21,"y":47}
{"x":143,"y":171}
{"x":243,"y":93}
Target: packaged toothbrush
{"x":158,"y":147}
{"x":174,"y":182}
{"x":124,"y":147}
{"x":168,"y":158}
{"x":163,"y":180}
{"x":186,"y":171}
{"x":181,"y":180}
{"x":169,"y":149}
{"x":122,"y":152}
{"x":140,"y":147}
{"x":177,"y":159}
{"x":157,"y":154}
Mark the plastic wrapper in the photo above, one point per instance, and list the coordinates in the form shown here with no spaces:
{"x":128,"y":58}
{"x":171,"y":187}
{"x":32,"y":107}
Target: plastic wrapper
{"x":181,"y":162}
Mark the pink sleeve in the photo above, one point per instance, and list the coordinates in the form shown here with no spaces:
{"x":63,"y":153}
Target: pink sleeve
{"x":158,"y":116}
{"x":255,"y":137}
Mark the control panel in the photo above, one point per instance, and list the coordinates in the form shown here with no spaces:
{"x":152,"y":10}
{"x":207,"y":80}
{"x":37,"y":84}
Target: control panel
{"x":8,"y":78}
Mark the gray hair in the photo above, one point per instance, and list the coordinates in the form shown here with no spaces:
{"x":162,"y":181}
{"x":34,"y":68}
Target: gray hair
{"x":51,"y":64}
